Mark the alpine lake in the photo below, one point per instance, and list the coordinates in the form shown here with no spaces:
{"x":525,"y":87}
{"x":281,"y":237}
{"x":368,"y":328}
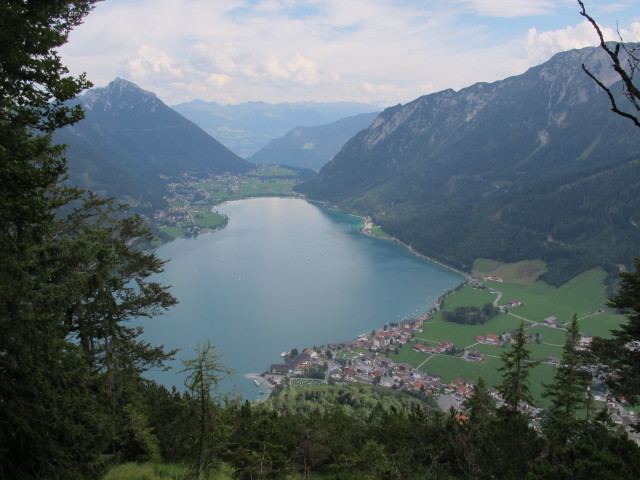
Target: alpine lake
{"x":284,"y":273}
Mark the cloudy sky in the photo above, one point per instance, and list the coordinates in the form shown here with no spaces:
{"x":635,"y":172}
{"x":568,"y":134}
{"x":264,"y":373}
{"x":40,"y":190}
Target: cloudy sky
{"x":375,"y":51}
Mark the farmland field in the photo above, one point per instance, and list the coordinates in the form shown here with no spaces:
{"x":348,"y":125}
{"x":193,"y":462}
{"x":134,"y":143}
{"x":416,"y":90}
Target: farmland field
{"x":584,"y":295}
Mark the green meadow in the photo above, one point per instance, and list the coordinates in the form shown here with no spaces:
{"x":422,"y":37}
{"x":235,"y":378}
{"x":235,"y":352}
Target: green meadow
{"x":305,"y":383}
{"x":207,"y":219}
{"x":584,"y":295}
{"x":173,"y":232}
{"x":250,"y":187}
{"x":377,"y":231}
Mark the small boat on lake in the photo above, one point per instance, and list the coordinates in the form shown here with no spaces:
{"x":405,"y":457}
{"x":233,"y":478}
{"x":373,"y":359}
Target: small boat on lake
{"x":256,"y":382}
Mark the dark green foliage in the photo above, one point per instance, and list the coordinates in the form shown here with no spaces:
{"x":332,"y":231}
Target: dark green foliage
{"x":358,"y":398}
{"x":471,"y":315}
{"x":34,"y":85}
{"x":314,"y":372}
{"x":480,"y":407}
{"x":348,"y":437}
{"x":69,"y":362}
{"x":111,"y":287}
{"x":203,"y":375}
{"x":47,"y":400}
{"x":568,"y":392}
{"x":502,"y":446}
{"x":597,"y":453}
{"x":621,"y":352}
{"x":516,"y":368}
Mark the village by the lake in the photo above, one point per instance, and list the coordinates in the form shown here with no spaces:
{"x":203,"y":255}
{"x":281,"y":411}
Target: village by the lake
{"x":402,"y":355}
{"x":377,"y":358}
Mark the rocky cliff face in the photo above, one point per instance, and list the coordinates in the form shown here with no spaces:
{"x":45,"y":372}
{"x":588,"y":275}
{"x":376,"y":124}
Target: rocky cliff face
{"x":464,"y":159}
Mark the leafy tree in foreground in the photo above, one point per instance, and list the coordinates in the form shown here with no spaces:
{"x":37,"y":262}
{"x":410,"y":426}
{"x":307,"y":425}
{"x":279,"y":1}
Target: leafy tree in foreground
{"x":517,"y":365}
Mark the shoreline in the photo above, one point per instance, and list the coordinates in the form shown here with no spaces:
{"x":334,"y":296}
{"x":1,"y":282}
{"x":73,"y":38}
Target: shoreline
{"x":264,"y":386}
{"x":411,"y":250}
{"x":366,"y":230}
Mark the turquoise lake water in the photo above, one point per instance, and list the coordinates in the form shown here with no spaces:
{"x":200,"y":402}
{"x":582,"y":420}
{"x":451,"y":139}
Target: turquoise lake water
{"x":285,"y":273}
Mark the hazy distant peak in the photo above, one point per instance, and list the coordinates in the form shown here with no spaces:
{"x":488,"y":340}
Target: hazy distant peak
{"x":116,"y":92}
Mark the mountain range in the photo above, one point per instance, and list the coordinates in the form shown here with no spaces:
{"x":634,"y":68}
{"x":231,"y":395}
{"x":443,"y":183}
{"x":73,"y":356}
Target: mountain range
{"x":130,"y":143}
{"x":534,"y":166}
{"x":531,"y":167}
{"x":312,"y":147}
{"x":247,"y":127}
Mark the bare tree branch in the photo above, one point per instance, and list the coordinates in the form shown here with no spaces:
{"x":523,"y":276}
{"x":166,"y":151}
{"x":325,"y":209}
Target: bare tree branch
{"x":630,"y":91}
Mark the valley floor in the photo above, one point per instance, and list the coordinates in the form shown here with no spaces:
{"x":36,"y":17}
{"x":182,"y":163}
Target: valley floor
{"x":429,"y":356}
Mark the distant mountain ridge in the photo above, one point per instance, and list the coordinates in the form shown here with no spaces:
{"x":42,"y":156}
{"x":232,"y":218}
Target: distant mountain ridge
{"x":130,"y":143}
{"x":533,"y":166}
{"x":312,"y":147}
{"x":249,"y":126}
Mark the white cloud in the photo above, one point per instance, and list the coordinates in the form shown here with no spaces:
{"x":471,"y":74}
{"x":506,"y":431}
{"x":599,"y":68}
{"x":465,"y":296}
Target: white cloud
{"x":150,"y":61}
{"x":219,"y":79}
{"x":541,"y":46}
{"x":511,"y":8}
{"x":386,"y":51}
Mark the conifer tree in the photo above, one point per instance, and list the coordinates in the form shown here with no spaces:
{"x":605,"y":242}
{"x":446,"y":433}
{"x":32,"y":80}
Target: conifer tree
{"x":47,"y":415}
{"x":480,"y":406}
{"x":620,"y":354}
{"x":567,"y":392}
{"x":517,"y":365}
{"x":204,"y":373}
{"x":67,"y":285}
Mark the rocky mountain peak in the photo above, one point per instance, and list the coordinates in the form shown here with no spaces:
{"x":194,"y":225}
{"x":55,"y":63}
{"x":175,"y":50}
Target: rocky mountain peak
{"x":119,"y":93}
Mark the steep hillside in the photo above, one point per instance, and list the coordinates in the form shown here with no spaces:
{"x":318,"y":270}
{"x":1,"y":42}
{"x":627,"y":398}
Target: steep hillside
{"x":312,"y":147}
{"x":533,"y":166}
{"x":130,"y":143}
{"x":249,"y":126}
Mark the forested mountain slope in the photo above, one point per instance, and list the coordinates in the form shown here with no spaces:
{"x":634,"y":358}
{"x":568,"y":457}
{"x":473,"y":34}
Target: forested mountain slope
{"x":533,"y":166}
{"x":312,"y":147}
{"x":130,"y":143}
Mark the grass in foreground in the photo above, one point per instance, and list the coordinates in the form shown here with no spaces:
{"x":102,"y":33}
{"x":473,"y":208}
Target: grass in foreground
{"x":162,"y":471}
{"x":147,"y":471}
